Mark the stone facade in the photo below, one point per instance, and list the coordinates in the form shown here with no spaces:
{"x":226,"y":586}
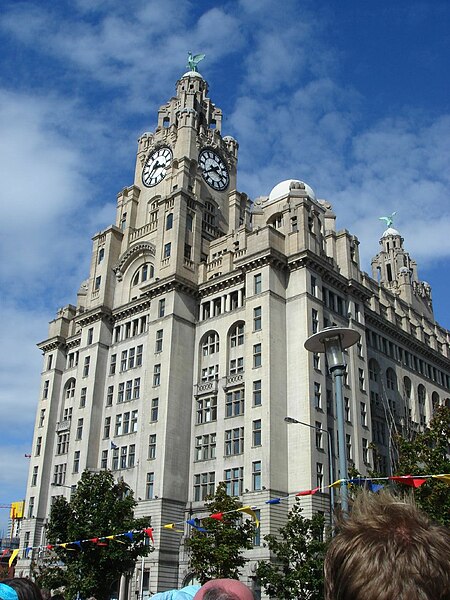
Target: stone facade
{"x":184,"y":351}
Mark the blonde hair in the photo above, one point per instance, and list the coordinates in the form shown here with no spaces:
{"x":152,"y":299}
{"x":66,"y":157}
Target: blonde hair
{"x":387,"y":549}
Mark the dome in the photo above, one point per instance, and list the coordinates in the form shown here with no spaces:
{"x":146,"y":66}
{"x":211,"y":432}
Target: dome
{"x":390,"y":231}
{"x":284,"y":187}
{"x":192,"y":74}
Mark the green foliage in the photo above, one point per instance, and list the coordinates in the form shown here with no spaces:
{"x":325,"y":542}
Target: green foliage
{"x":299,"y":549}
{"x":428,"y":453}
{"x":99,"y":507}
{"x":218,"y":552}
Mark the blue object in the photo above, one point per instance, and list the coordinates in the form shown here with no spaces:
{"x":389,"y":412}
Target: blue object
{"x":186,"y":593}
{"x":7,"y":592}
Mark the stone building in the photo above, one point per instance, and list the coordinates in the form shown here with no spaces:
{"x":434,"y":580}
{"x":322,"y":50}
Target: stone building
{"x":184,"y":351}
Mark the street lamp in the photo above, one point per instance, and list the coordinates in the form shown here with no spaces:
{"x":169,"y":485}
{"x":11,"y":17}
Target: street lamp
{"x":330,"y":456}
{"x":332,"y":341}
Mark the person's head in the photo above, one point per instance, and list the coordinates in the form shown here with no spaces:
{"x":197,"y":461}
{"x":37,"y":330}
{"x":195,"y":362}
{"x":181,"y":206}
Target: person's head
{"x":387,"y":550}
{"x":224,"y":589}
{"x":19,"y":588}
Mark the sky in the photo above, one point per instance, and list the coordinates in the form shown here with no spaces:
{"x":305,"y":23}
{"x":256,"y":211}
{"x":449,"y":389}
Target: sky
{"x":350,"y":96}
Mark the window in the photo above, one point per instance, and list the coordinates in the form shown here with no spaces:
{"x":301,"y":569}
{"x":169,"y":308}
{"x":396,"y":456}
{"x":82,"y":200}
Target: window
{"x":90,"y":335}
{"x":70,"y":389}
{"x":319,"y":435}
{"x":67,"y":413}
{"x":112,"y":364}
{"x":62,"y":443}
{"x":314,"y":321}
{"x":150,"y":486}
{"x":317,"y":396}
{"x":131,"y":455}
{"x":79,"y":432}
{"x":167,"y":248}
{"x":236,"y":366}
{"x":210,"y":373}
{"x":237,"y":336}
{"x":98,"y":281}
{"x":257,"y":283}
{"x":134,"y":421}
{"x":131,"y":357}
{"x":390,"y":379}
{"x":256,"y":433}
{"x":189,"y":222}
{"x":42,"y":417}
{"x":210,"y":344}
{"x":348,"y":444}
{"x":204,"y":484}
{"x":159,"y":341}
{"x":121,"y":392}
{"x":115,"y":459}
{"x":76,"y":461}
{"x":257,"y":534}
{"x":234,"y":479}
{"x":360,"y":350}
{"x":38,"y":446}
{"x":49,"y":362}
{"x":59,"y":474}
{"x":110,"y":395}
{"x":257,"y":355}
{"x":206,"y":410}
{"x":156,"y":375}
{"x":256,"y":475}
{"x":154,"y":410}
{"x":123,"y":360}
{"x":361,"y":379}
{"x":257,"y":318}
{"x":313,"y":286}
{"x":347,"y":410}
{"x":234,"y":403}
{"x":123,"y":457}
{"x":363,"y":414}
{"x":107,"y":427}
{"x":34,"y":476}
{"x":83,"y":394}
{"x":373,"y":370}
{"x":257,"y":393}
{"x":205,"y":446}
{"x":187,"y":251}
{"x":365,"y":451}
{"x":30,"y":507}
{"x":118,"y":429}
{"x":137,"y":388}
{"x":139,"y":356}
{"x":316,"y":361}
{"x":234,"y":441}
{"x":128,"y":390}
{"x":45,"y":390}
{"x":87,"y":361}
{"x":152,"y":446}
{"x":319,"y":475}
{"x":101,"y":255}
{"x":104,"y":460}
{"x":169,"y":221}
{"x":161,"y":307}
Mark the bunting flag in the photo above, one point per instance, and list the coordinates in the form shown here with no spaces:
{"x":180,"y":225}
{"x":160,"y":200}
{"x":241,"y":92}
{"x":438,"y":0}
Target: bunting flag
{"x":5,"y":552}
{"x":27,"y":455}
{"x":414,"y":481}
{"x":249,"y":510}
{"x":14,"y":553}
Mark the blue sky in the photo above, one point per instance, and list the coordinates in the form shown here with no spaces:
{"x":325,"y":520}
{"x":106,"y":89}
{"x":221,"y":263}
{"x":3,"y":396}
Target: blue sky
{"x":350,"y":96}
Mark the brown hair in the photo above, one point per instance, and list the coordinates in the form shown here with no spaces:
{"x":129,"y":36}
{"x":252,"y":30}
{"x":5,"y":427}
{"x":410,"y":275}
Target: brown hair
{"x":387,"y":550}
{"x":25,"y":588}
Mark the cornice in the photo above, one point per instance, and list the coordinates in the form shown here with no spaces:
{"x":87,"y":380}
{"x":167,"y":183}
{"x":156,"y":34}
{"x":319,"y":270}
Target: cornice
{"x":93,"y":315}
{"x":54,"y":343}
{"x":130,"y":309}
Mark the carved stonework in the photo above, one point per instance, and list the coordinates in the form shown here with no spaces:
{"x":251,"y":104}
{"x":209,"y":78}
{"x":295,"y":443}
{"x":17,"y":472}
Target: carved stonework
{"x":125,"y":259}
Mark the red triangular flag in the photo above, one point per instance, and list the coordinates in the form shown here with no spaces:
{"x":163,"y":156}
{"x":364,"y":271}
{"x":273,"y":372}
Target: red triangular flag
{"x":149,"y":532}
{"x":217,"y":516}
{"x":308,"y":492}
{"x":409,"y":480}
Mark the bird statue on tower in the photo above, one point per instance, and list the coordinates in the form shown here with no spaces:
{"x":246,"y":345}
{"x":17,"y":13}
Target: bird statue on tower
{"x":193,"y":60}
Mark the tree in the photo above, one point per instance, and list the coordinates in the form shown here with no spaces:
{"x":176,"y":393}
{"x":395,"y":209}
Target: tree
{"x":428,"y":453}
{"x":99,"y":507}
{"x":299,"y":549}
{"x":217,"y":552}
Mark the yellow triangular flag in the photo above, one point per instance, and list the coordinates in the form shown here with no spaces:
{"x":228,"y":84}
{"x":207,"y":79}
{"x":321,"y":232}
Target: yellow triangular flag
{"x":13,"y":556}
{"x":444,"y":476}
{"x":336,"y":483}
{"x":110,"y":537}
{"x":172,"y":526}
{"x":249,"y":510}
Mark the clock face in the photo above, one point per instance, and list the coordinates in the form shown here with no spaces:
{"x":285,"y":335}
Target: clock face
{"x":214,"y":170}
{"x":156,"y":166}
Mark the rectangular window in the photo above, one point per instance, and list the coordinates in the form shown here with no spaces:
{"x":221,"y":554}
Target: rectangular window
{"x":348,"y":444}
{"x":150,"y":486}
{"x":256,"y":433}
{"x":131,"y":356}
{"x":314,"y":321}
{"x":98,"y":281}
{"x":361,"y":380}
{"x":31,"y":507}
{"x":112,"y":364}
{"x":205,"y":446}
{"x":204,"y":484}
{"x":83,"y":395}
{"x":87,"y":361}
{"x":236,"y":365}
{"x":139,"y":350}
{"x":79,"y":432}
{"x":134,"y":421}
{"x":234,"y":441}
{"x":206,"y":410}
{"x":137,"y":388}
{"x":365,"y":451}
{"x":159,"y":341}
{"x":62,"y":443}
{"x":115,"y":459}
{"x":319,"y":435}
{"x":363,"y":414}
{"x":131,"y":455}
{"x":257,"y":318}
{"x":49,"y":362}
{"x":123,"y":457}
{"x":118,"y":429}
{"x":34,"y":476}
{"x":90,"y":335}
{"x":256,"y":475}
{"x":110,"y":395}
{"x":45,"y":390}
{"x":126,"y":423}
{"x":257,"y":283}
{"x":38,"y":446}
{"x":121,"y":392}
{"x":59,"y":474}
{"x":123,"y":360}
{"x":156,"y":375}
{"x":257,"y":399}
{"x":128,"y":390}
{"x":317,"y":396}
{"x":167,"y":248}
{"x":104,"y":460}
{"x":152,"y":446}
{"x":154,"y":410}
{"x":234,"y":403}
{"x":107,"y":427}
{"x":347,"y":410}
{"x":319,"y":475}
{"x":234,"y":480}
{"x":257,"y":355}
{"x":257,"y":534}
{"x":76,"y":461}
{"x":313,"y":286}
{"x":161,"y":307}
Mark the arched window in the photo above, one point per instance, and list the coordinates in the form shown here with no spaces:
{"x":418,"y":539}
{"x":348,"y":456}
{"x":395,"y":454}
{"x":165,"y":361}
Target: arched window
{"x":69,"y":389}
{"x":391,"y":379}
{"x":210,"y":344}
{"x":144,"y":272}
{"x":276,"y":221}
{"x":421,"y":395}
{"x":237,"y":335}
{"x":374,"y":370}
{"x":169,"y":221}
{"x":435,"y":400}
{"x":407,"y":387}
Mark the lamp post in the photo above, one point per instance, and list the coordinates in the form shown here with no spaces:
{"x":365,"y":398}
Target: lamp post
{"x":332,"y":341}
{"x":330,"y":457}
